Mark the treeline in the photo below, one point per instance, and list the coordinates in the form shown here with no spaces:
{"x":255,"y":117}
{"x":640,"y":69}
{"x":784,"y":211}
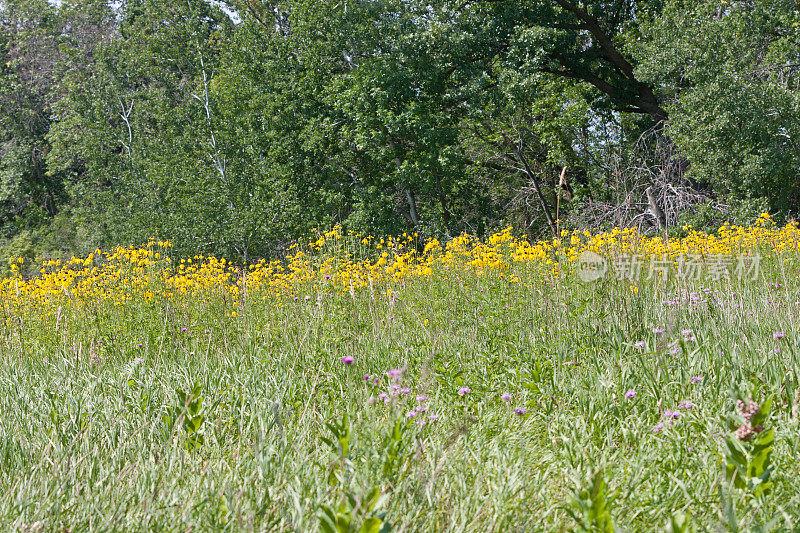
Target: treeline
{"x":236,"y":127}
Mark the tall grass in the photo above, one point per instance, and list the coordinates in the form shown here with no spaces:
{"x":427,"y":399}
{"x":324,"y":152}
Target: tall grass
{"x":548,"y":404}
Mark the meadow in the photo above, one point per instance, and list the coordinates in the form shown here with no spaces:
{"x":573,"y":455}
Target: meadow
{"x":375,"y":385}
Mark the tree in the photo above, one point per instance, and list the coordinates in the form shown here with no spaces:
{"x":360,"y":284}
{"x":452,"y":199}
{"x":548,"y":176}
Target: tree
{"x":583,"y":41}
{"x":145,"y":125}
{"x":730,"y":74}
{"x":29,"y":33}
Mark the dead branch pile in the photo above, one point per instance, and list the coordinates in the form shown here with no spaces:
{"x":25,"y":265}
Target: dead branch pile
{"x":650,"y":189}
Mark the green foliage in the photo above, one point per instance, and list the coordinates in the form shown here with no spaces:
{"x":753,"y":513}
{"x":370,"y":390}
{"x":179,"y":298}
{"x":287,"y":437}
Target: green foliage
{"x":340,"y":429}
{"x":342,"y":519}
{"x":236,"y":131}
{"x":590,"y":507}
{"x":393,"y":451}
{"x":740,"y":212}
{"x":187,"y":415}
{"x":680,"y":523}
{"x":748,"y":460}
{"x":29,"y":192}
{"x":353,"y":510}
{"x":728,"y":76}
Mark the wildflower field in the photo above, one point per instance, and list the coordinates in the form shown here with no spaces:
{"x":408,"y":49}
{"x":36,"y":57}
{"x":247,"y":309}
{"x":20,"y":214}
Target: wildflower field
{"x":380,"y":385}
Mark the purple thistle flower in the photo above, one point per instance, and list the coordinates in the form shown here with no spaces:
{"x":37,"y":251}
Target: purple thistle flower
{"x":421,"y":408}
{"x":672,"y":414}
{"x":394,"y":372}
{"x":348,"y":359}
{"x":367,"y":377}
{"x":183,"y":329}
{"x":630,"y":394}
{"x":658,"y":427}
{"x":658,"y":331}
{"x":383,"y":396}
{"x":464,"y":390}
{"x":506,"y":397}
{"x":405,"y":391}
{"x":433,"y":417}
{"x":639,"y":344}
{"x":140,"y":345}
{"x":411,"y":414}
{"x":778,"y":335}
{"x":519,"y":411}
{"x":422,"y":398}
{"x":685,"y":405}
{"x":697,"y":379}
